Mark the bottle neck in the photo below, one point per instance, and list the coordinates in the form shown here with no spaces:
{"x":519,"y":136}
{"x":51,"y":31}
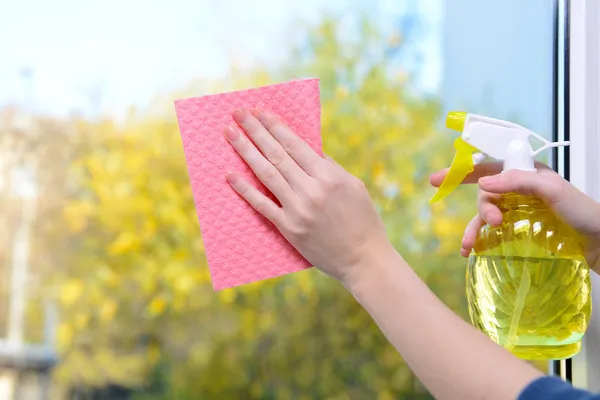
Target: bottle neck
{"x":513,"y":201}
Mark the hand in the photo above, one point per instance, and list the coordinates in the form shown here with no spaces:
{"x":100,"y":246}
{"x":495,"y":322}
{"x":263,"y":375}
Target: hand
{"x":562,"y":198}
{"x":325,"y":213}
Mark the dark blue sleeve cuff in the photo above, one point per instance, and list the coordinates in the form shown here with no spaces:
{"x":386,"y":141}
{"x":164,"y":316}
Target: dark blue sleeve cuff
{"x":551,"y":388}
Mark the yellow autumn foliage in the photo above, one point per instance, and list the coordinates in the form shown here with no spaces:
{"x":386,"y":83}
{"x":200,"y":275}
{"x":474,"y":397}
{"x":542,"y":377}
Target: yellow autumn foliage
{"x":137,"y":307}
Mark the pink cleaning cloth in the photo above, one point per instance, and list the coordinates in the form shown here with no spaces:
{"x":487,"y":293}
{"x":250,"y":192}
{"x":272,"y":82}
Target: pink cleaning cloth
{"x":241,"y":245}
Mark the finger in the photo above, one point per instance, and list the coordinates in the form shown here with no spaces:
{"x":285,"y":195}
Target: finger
{"x":547,"y":187}
{"x":480,"y":171}
{"x":487,"y":208}
{"x":308,"y":159}
{"x":470,"y":234}
{"x":263,"y":169}
{"x":255,"y":198}
{"x":270,"y":148}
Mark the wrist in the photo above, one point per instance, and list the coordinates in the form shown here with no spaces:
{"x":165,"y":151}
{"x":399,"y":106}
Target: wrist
{"x":373,"y":267}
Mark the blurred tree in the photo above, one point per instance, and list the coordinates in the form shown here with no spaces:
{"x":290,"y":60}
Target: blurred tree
{"x":137,"y":308}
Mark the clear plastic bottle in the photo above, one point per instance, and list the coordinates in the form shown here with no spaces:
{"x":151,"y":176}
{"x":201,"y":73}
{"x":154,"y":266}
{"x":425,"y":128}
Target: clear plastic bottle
{"x":528,"y":284}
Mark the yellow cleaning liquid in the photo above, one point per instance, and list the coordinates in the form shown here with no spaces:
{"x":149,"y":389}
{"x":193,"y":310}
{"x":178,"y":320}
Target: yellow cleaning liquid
{"x":528,"y":284}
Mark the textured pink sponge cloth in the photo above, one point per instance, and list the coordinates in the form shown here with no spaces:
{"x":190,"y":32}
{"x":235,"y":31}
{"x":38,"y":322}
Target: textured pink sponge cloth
{"x":241,"y":245}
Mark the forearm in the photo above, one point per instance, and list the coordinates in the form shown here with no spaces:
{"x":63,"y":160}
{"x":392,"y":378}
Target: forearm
{"x":452,"y":359}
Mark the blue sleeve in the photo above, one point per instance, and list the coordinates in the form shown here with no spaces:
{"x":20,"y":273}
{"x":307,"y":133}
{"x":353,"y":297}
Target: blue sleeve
{"x":551,"y":388}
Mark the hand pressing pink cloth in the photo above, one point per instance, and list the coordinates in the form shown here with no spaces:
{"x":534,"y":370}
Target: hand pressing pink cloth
{"x":241,"y":245}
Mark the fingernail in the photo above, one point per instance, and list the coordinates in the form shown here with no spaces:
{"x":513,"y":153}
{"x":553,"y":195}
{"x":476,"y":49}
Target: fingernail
{"x":231,"y":178}
{"x":231,"y":134}
{"x":239,"y":115}
{"x":256,"y":112}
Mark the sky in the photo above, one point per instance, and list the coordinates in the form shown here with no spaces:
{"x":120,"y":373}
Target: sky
{"x":124,"y":52}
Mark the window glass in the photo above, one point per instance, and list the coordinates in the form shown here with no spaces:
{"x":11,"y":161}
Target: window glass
{"x":105,"y":281}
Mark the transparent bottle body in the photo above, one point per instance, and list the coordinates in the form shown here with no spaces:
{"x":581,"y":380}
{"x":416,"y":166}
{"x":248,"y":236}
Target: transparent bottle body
{"x":528,"y":284}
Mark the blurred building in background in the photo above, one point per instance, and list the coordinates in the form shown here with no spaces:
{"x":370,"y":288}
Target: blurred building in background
{"x":25,"y":367}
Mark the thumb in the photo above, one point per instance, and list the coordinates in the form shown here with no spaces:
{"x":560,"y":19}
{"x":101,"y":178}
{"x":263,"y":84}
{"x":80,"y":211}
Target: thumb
{"x":547,"y":187}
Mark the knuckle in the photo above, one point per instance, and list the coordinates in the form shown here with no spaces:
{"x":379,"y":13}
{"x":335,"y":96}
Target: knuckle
{"x":290,"y":145}
{"x":558,"y":187}
{"x":557,"y":182}
{"x":325,"y":184}
{"x":353,"y":183}
{"x":302,"y":225}
{"x":331,"y":181}
{"x":267,"y":175}
{"x":299,"y":232}
{"x":359,"y":184}
{"x":304,"y":217}
{"x":484,"y":197}
{"x":316,"y":198}
{"x":276,"y":156}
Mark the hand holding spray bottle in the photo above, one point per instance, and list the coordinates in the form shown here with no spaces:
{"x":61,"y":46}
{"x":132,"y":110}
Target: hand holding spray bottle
{"x":528,"y":285}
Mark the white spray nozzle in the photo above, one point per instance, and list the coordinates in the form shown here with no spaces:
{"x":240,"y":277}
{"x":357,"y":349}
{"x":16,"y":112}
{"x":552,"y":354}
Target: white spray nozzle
{"x":504,"y":141}
{"x":488,"y":137}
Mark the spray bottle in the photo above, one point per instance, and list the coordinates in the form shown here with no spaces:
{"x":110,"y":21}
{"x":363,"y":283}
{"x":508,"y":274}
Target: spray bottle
{"x":528,"y":285}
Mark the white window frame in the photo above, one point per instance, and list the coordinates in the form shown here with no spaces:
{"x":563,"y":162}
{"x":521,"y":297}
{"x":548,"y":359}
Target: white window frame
{"x":583,"y":98}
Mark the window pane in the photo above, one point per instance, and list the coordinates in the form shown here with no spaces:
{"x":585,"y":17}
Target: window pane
{"x":97,"y":212}
{"x":498,"y":58}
